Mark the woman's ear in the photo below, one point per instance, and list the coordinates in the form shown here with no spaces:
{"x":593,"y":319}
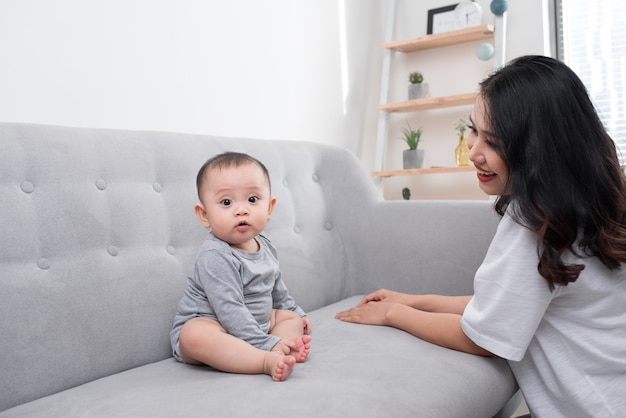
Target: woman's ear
{"x":201,"y":214}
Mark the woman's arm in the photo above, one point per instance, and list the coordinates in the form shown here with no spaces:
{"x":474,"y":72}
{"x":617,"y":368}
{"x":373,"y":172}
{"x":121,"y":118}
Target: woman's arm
{"x":429,"y":303}
{"x":441,"y":304}
{"x":443,"y":329}
{"x":433,"y":318}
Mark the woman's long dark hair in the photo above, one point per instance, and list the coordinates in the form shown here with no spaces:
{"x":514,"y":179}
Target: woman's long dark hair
{"x":564,"y":179}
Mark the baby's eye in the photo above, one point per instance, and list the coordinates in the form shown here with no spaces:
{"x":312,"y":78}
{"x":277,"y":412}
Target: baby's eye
{"x":253,"y":199}
{"x":226,"y":202}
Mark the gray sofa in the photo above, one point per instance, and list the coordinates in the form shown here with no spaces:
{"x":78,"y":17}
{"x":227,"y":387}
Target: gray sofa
{"x":99,"y":233}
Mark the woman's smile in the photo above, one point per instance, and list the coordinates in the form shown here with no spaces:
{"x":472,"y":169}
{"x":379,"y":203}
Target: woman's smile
{"x":485,"y":177}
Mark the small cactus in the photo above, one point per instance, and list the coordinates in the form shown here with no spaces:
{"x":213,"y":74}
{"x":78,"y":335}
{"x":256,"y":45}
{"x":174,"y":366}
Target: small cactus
{"x":406,"y":193}
{"x":416,"y":77}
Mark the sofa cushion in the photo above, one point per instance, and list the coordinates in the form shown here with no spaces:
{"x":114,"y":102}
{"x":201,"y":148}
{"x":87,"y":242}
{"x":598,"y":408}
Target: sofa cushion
{"x":353,"y":371}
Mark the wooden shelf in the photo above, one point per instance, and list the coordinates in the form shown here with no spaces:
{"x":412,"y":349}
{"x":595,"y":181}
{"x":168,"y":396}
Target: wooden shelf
{"x":429,"y":103}
{"x":428,"y":170}
{"x":476,"y":33}
{"x":473,"y":34}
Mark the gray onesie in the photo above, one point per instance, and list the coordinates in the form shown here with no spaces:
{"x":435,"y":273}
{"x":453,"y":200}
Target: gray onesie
{"x":236,"y":288}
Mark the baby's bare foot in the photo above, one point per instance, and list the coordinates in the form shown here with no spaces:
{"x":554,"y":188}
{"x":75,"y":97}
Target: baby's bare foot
{"x":279,"y":367}
{"x":302,"y":348}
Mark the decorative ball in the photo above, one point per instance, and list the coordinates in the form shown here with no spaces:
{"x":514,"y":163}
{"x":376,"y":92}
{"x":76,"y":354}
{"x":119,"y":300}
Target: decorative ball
{"x":485,"y":51}
{"x":498,"y":7}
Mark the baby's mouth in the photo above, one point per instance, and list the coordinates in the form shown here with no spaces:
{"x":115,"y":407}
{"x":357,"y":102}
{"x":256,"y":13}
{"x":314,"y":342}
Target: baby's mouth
{"x":242,"y":226}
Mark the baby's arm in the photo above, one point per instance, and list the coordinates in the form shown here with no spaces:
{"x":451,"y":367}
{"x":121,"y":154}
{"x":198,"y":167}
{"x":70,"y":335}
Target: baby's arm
{"x":221,"y":281}
{"x":281,"y":299}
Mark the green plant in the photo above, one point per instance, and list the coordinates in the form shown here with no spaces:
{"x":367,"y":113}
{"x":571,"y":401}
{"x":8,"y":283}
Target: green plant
{"x":412,"y":136}
{"x":406,"y":193}
{"x":461,"y":126}
{"x":416,"y":77}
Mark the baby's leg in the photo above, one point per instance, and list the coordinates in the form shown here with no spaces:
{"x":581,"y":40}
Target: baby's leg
{"x":204,"y":341}
{"x":289,"y":326}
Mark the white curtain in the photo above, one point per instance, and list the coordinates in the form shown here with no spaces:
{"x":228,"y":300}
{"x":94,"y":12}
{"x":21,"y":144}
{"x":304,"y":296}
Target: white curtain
{"x":592,"y":41}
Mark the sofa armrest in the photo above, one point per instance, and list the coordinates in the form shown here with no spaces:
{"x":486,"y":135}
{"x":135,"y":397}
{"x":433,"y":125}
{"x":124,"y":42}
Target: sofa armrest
{"x":424,"y":246}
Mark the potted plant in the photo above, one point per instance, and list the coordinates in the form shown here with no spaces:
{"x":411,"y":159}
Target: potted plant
{"x":412,"y":157}
{"x":417,"y":88}
{"x":461,"y":152}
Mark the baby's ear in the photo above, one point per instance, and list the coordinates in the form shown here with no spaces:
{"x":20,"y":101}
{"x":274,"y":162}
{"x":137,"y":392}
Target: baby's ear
{"x":201,"y":214}
{"x":271,"y":207}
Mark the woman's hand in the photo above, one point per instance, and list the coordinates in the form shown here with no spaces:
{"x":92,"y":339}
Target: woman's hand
{"x":384,"y":295}
{"x":371,"y":312}
{"x":373,"y":309}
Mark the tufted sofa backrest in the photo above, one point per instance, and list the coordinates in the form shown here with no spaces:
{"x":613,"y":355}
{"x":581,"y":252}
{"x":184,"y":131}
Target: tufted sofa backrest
{"x":99,"y":233}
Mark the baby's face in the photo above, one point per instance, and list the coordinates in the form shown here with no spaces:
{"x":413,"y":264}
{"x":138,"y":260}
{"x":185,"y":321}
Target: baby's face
{"x":236,"y":204}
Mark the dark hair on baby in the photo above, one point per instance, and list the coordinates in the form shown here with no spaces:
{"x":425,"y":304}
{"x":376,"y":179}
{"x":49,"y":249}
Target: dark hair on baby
{"x":227,"y":160}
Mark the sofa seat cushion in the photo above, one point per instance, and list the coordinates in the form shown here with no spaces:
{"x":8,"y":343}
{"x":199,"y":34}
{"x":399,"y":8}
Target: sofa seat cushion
{"x":353,"y":371}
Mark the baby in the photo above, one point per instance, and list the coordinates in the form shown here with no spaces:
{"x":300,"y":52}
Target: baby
{"x":236,"y":314}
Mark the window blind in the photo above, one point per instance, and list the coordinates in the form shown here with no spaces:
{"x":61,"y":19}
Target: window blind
{"x":591,"y":39}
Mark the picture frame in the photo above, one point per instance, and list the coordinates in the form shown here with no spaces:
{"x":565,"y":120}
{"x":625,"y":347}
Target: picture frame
{"x":441,"y":19}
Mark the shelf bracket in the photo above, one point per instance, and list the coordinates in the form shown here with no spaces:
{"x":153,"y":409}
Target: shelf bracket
{"x":381,"y":134}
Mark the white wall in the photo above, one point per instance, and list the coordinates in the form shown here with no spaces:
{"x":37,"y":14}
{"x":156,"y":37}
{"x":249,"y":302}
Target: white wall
{"x":268,"y":69}
{"x":302,"y":70}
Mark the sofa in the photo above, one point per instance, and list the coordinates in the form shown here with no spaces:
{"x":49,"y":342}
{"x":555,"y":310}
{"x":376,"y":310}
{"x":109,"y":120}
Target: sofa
{"x":99,"y":235}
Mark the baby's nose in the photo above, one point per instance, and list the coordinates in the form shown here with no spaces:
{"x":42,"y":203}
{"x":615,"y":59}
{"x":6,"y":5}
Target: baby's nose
{"x":241,"y":209}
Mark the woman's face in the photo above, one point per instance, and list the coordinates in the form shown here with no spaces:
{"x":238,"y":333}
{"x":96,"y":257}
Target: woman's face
{"x":491,"y":169}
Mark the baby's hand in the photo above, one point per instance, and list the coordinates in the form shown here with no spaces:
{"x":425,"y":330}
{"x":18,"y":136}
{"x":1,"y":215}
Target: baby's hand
{"x":281,"y":347}
{"x":307,"y":325}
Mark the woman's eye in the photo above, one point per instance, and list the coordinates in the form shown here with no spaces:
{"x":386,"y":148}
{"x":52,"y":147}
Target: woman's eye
{"x":226,"y":202}
{"x":253,"y":199}
{"x":493,"y":144}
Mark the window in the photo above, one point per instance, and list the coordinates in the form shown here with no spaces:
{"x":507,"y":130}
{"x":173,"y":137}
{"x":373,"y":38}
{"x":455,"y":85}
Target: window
{"x":591,"y":39}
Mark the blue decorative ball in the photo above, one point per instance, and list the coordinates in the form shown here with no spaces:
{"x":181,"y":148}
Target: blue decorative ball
{"x":485,"y":51}
{"x":498,"y":7}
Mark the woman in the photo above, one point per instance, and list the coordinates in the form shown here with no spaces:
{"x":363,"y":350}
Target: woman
{"x":550,"y":296}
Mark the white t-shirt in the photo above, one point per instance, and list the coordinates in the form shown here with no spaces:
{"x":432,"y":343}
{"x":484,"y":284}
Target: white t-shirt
{"x":566,"y":348}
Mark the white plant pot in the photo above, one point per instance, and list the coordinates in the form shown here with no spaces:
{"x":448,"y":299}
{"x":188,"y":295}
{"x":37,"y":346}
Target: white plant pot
{"x":412,"y":158}
{"x":418,"y":91}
